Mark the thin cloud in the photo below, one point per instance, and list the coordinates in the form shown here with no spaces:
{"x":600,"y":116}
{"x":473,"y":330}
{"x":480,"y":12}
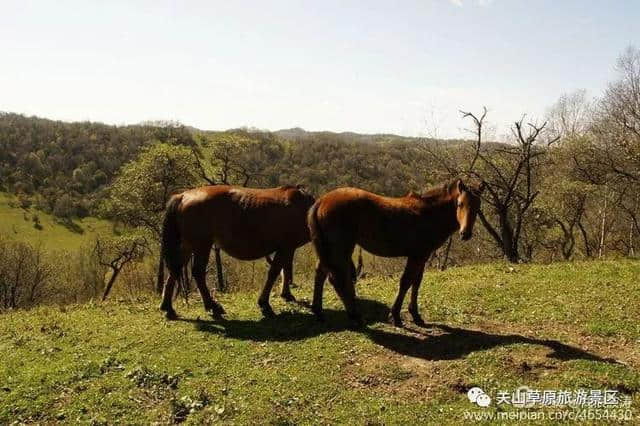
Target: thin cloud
{"x":457,"y":3}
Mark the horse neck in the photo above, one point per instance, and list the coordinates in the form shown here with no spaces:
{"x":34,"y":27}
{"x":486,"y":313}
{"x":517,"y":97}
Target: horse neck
{"x":442,"y":210}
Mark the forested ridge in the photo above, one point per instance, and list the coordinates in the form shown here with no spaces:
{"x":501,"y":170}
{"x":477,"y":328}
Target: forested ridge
{"x":64,"y":167}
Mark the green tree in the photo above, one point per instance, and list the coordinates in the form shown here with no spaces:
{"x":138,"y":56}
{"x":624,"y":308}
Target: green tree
{"x":139,"y":193}
{"x":64,"y":207}
{"x":142,"y":188}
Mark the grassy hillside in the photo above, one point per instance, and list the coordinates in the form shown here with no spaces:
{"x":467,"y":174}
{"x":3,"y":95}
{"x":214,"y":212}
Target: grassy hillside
{"x":558,"y":327}
{"x":18,"y":224}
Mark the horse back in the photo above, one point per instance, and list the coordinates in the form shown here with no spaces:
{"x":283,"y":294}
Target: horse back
{"x":247,"y":223}
{"x":384,"y":226}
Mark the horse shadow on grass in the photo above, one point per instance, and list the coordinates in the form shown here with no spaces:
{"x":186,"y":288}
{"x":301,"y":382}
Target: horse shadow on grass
{"x":434,"y":342}
{"x":290,"y":325}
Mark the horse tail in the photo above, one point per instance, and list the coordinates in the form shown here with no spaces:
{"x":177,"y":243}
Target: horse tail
{"x":170,"y":249}
{"x":321,"y":244}
{"x":317,"y":237}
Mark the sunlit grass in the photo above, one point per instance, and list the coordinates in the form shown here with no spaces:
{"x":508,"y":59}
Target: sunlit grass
{"x":563,"y":326}
{"x":17,"y":223}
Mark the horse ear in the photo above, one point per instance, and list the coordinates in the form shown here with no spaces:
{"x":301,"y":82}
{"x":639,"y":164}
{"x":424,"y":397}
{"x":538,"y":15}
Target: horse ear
{"x":460,"y":185}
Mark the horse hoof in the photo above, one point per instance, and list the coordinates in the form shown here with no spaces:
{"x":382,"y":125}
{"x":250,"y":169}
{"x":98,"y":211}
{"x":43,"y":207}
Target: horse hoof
{"x":288,"y":297}
{"x":317,"y":312}
{"x":417,"y":320}
{"x":267,"y":312}
{"x":171,"y":315}
{"x":215,"y":314}
{"x":216,"y":311}
{"x":396,"y":321}
{"x":214,"y":306}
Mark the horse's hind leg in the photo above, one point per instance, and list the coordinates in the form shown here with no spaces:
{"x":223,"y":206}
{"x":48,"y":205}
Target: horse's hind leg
{"x":199,"y":271}
{"x":339,"y":266}
{"x":287,"y":267}
{"x":318,"y":288}
{"x":169,"y":288}
{"x":354,"y":273}
{"x":167,"y":298}
{"x":344,"y":286}
{"x":272,"y":276}
{"x":341,"y":276}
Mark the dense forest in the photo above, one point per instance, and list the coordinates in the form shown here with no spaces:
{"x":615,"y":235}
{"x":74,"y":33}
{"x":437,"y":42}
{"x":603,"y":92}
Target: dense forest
{"x":64,"y":168}
{"x":562,"y":187}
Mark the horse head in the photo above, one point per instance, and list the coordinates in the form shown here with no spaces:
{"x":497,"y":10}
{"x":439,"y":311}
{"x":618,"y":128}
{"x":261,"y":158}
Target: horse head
{"x":467,"y":202}
{"x":301,"y":196}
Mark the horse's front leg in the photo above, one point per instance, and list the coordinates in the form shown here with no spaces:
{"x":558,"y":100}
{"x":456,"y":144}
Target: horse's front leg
{"x":287,"y":279}
{"x":199,"y":272}
{"x":412,"y":272}
{"x":413,"y":303}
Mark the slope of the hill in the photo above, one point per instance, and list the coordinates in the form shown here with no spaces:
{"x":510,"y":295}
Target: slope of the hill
{"x":558,"y":327}
{"x":36,"y":227}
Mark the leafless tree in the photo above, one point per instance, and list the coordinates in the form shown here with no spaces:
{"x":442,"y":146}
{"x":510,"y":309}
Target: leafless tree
{"x":609,"y":155}
{"x":510,"y":173}
{"x":116,"y":253}
{"x":24,"y":274}
{"x":571,"y":115}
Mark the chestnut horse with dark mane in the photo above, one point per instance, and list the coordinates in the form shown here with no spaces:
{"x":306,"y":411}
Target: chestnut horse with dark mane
{"x":246,"y":223}
{"x":412,"y":226}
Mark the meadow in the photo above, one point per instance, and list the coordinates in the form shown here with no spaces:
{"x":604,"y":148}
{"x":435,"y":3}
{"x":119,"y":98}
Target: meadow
{"x":496,"y":326}
{"x":53,"y":233}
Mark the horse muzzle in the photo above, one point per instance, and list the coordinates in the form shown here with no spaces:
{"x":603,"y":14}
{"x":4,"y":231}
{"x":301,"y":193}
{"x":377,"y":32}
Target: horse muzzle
{"x":465,"y":235}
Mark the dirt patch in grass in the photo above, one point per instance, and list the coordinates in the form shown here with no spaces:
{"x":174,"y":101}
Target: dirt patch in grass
{"x":501,"y":350}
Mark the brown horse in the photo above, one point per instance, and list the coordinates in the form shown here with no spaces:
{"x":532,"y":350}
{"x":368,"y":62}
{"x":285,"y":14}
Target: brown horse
{"x":245,"y":223}
{"x":412,"y":226}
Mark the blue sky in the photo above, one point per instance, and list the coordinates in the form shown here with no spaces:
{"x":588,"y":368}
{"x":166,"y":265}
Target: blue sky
{"x":402,"y":67}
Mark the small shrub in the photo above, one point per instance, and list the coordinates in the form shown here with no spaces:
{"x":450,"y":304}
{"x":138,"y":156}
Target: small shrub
{"x":24,"y":202}
{"x":145,"y":378}
{"x":25,"y":274}
{"x":36,"y":222}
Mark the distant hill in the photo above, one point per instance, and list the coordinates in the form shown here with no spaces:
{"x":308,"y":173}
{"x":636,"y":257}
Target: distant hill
{"x":298,"y":134}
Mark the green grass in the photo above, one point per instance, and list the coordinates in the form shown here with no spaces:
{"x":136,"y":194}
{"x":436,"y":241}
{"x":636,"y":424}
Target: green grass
{"x":558,"y":327}
{"x":17,"y":223}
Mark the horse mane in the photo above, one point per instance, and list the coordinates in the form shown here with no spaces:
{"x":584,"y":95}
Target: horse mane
{"x":288,"y":186}
{"x":298,"y":187}
{"x":440,"y":192}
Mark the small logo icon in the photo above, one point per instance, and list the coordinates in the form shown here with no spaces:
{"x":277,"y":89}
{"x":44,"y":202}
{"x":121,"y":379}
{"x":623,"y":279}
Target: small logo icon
{"x":477,"y":396}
